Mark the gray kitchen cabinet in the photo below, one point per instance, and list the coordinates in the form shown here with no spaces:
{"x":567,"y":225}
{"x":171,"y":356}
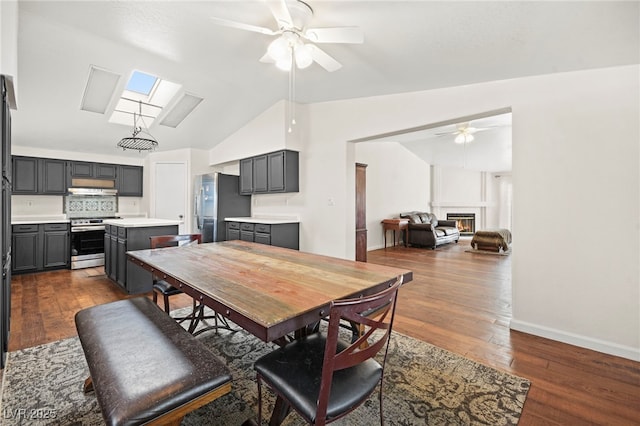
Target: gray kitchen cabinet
{"x":107,"y":253}
{"x":81,"y":169}
{"x":132,"y":278}
{"x":52,"y":174}
{"x":262,"y":233}
{"x":276,"y":234}
{"x":283,"y":171}
{"x":48,"y":176}
{"x":121,"y":254}
{"x":39,"y":176}
{"x":260,"y":174}
{"x":275,"y":172}
{"x":246,"y":176}
{"x":24,"y":248}
{"x":129,"y":182}
{"x":246,"y":231}
{"x":111,"y":251}
{"x":233,"y":231}
{"x":40,"y":247}
{"x":25,"y":175}
{"x":55,"y":245}
{"x":88,"y":170}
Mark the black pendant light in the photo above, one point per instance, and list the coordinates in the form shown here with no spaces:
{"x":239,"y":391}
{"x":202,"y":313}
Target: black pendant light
{"x":135,"y":142}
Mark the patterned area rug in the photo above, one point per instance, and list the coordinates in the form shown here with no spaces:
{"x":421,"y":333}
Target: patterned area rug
{"x":424,"y":385}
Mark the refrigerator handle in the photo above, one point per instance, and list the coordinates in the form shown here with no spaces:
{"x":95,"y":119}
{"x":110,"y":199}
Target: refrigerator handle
{"x":197,"y":207}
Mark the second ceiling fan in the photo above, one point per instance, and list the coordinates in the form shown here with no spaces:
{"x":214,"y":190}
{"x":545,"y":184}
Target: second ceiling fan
{"x":295,"y":44}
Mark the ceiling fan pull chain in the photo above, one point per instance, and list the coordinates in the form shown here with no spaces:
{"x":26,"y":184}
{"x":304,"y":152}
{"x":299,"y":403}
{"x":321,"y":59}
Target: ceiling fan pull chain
{"x":292,"y":114}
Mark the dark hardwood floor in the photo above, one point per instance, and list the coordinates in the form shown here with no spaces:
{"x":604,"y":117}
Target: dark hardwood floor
{"x":458,"y":301}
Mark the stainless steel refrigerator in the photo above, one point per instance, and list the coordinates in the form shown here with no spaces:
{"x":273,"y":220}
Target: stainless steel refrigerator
{"x":216,"y":197}
{"x":5,"y":219}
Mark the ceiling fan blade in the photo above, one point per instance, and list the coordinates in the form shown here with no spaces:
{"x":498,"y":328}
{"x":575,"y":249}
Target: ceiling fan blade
{"x":323,"y":59}
{"x":242,"y":26}
{"x":352,"y":35}
{"x":267,"y":59}
{"x":280,"y":11}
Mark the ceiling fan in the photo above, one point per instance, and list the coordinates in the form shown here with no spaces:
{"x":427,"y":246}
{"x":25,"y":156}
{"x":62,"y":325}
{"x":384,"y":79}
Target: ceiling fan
{"x":463,"y":133}
{"x":295,"y":43}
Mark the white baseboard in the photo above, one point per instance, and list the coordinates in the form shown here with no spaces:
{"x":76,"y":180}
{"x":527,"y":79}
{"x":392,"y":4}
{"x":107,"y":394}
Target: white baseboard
{"x":598,"y":345}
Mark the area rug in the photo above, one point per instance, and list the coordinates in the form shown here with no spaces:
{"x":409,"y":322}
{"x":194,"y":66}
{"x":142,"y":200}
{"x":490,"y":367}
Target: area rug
{"x":424,"y":385}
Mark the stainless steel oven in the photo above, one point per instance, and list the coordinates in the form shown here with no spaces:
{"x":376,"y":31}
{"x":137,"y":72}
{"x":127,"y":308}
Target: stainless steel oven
{"x":87,"y":243}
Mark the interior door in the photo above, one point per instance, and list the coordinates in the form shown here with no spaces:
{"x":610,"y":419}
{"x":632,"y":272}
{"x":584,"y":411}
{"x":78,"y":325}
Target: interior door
{"x":171,"y":193}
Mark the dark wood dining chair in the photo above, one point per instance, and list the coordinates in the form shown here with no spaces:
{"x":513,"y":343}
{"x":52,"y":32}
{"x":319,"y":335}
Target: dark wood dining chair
{"x":305,"y":372}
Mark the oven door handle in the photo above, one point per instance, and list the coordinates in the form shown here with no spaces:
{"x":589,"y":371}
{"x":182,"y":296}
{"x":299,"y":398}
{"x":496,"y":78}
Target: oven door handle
{"x":87,"y":228}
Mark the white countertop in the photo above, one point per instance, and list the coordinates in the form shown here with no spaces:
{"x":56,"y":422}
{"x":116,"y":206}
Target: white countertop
{"x":267,"y":220}
{"x":139,"y":222}
{"x":35,"y":219}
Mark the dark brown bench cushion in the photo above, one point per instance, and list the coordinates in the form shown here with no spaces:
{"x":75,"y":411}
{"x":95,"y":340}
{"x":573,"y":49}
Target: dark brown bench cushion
{"x":142,"y":363}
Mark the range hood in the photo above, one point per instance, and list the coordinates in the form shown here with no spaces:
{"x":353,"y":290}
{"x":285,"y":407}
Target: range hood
{"x":93,"y":191}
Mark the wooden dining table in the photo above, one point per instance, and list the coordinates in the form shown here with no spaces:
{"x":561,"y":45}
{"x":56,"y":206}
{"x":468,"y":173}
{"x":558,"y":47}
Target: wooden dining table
{"x":269,"y":291}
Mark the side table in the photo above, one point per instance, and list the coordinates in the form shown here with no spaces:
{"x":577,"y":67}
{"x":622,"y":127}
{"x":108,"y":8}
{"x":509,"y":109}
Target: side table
{"x":396,"y":225}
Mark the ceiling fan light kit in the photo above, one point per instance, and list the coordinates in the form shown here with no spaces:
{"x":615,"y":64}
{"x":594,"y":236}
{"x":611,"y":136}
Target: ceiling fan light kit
{"x":292,"y":18}
{"x":464,"y":138}
{"x":288,"y":46}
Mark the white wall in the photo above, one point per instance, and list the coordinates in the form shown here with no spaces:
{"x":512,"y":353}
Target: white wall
{"x":397,"y":181}
{"x":458,"y":190}
{"x":575,"y":149}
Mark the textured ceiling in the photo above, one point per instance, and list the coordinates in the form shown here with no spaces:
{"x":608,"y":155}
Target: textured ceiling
{"x":409,"y":46}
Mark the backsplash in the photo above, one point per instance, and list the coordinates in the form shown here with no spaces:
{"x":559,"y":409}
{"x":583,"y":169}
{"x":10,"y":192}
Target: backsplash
{"x":30,"y":205}
{"x":54,"y":205}
{"x":77,"y":206}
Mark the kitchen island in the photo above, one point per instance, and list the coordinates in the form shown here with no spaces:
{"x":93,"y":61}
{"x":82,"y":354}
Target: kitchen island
{"x":123,"y":235}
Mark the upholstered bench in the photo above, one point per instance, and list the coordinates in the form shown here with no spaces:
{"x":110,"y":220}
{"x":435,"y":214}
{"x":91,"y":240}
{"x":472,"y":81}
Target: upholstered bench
{"x":144,"y":367}
{"x":491,"y":240}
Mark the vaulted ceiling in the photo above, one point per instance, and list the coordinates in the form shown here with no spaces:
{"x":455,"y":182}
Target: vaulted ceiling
{"x":408,"y":46}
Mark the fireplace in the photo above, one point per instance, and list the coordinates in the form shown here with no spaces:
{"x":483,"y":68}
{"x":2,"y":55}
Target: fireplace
{"x":466,"y":222}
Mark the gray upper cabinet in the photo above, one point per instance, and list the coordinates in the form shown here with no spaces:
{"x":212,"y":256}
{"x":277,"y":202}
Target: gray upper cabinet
{"x":39,"y":176}
{"x":283,"y":171}
{"x":52,"y":176}
{"x":260,"y":174}
{"x":105,"y":171}
{"x":25,"y":175}
{"x":48,"y":176}
{"x":275,"y":172}
{"x":246,"y":176}
{"x":83,"y":169}
{"x":129,"y":182}
{"x":79,"y":169}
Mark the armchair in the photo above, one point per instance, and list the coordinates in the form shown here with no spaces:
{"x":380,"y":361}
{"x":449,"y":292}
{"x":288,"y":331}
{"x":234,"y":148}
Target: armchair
{"x":426,"y":230}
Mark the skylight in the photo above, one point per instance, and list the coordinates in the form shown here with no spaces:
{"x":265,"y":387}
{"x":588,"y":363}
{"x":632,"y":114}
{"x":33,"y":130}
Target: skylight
{"x":141,"y":83}
{"x":146,"y":94}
